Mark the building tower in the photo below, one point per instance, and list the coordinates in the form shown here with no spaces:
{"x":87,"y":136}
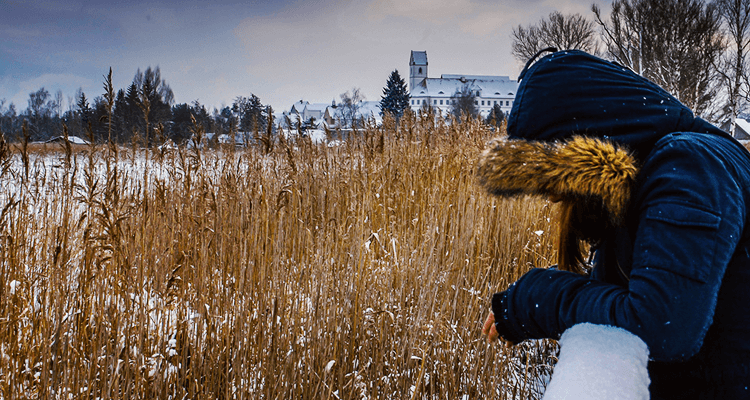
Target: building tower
{"x":417,"y":69}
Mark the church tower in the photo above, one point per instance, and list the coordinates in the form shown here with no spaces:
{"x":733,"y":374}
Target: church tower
{"x":417,"y":69}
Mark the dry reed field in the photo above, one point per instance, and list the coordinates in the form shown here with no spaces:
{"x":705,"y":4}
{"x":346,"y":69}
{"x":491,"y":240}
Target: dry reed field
{"x":286,"y":270}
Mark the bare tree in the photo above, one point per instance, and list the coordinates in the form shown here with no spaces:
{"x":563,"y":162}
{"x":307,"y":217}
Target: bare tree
{"x":350,"y":105}
{"x":732,"y":66}
{"x":58,"y":103}
{"x":40,"y":114}
{"x":563,"y":32}
{"x":464,"y":103}
{"x":675,"y":43}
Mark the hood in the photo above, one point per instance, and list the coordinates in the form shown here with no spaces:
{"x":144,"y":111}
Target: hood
{"x":571,"y":93}
{"x":580,"y":169}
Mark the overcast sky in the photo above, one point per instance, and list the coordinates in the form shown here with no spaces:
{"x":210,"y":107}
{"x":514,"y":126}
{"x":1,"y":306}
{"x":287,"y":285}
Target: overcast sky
{"x":280,"y":50}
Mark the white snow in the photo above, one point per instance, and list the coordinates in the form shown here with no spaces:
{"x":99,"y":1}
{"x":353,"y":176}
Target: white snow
{"x":329,"y":366}
{"x":317,"y":135}
{"x":77,"y":140}
{"x":71,"y":139}
{"x":600,"y":362}
{"x":14,"y":285}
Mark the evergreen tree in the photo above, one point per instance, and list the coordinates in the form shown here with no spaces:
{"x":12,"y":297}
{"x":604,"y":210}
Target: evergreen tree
{"x":120,"y":130}
{"x":97,"y":119}
{"x":226,"y":122}
{"x":496,"y":117}
{"x":182,"y":123}
{"x":251,"y":113}
{"x":84,"y":109}
{"x":395,"y":96}
{"x":147,"y":93}
{"x":9,"y":121}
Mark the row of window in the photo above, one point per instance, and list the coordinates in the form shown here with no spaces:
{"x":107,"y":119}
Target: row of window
{"x":449,"y":102}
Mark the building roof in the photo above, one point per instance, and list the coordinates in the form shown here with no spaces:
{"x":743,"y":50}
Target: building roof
{"x":299,"y":106}
{"x":317,"y":107}
{"x":71,"y":139}
{"x":477,"y":77}
{"x":744,"y":124}
{"x":369,"y":109}
{"x":741,"y":130}
{"x":418,"y":58}
{"x":502,"y":87}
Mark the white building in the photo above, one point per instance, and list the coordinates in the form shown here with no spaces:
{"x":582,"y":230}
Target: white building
{"x":489,"y":90}
{"x":308,"y":110}
{"x":741,"y":130}
{"x":329,"y":115}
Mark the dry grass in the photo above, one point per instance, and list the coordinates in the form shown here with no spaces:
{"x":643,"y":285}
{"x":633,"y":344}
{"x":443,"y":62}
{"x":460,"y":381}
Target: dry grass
{"x":295,"y":271}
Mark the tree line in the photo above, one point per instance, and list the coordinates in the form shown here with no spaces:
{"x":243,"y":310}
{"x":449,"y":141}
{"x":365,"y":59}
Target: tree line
{"x":145,"y":111}
{"x":696,"y":50}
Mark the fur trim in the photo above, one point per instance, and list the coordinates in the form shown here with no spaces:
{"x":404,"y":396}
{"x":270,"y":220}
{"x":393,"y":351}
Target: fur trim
{"x":581,"y":169}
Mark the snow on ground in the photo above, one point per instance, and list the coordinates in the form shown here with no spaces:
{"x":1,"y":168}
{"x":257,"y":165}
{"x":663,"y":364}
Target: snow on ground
{"x":600,"y":362}
{"x":317,"y":135}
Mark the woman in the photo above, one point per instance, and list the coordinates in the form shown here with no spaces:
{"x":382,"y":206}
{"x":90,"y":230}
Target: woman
{"x":662,"y":199}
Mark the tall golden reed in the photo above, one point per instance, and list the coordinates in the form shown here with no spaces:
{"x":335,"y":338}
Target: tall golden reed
{"x":286,"y":270}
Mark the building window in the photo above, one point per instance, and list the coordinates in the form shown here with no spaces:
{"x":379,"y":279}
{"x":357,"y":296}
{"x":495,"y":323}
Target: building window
{"x":420,"y":70}
{"x":482,"y":102}
{"x":495,"y":103}
{"x":441,"y":102}
{"x":434,"y":102}
{"x":476,"y":102}
{"x":507,"y":103}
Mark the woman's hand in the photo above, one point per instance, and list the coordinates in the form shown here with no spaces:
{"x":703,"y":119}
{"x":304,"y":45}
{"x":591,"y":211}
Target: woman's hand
{"x":489,"y":329}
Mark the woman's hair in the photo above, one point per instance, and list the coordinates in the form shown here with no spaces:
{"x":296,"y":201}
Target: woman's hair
{"x":582,"y":222}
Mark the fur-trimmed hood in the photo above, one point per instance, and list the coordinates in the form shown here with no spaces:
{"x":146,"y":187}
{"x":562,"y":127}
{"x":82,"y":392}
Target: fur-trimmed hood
{"x":580,"y":169}
{"x":578,"y":128}
{"x":572,"y":93}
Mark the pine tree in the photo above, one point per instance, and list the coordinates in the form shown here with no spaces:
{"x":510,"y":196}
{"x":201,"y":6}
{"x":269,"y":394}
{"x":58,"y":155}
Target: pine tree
{"x":496,"y":117}
{"x":84,"y":109}
{"x":251,"y":113}
{"x":395,"y":96}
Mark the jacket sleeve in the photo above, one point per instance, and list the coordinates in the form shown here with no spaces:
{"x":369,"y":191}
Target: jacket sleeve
{"x":690,"y":217}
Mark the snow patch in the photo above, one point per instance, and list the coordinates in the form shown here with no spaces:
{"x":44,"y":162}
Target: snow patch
{"x":600,"y":362}
{"x":14,"y":285}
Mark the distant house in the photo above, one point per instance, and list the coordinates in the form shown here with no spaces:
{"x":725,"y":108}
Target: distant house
{"x":741,"y":130}
{"x":322,"y":115}
{"x":307,"y":110}
{"x":438,"y":92}
{"x":71,"y":139}
{"x":370,"y":109}
{"x":241,"y":139}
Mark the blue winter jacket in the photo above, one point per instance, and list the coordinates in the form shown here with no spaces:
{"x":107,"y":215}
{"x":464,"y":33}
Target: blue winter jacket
{"x":676,"y":270}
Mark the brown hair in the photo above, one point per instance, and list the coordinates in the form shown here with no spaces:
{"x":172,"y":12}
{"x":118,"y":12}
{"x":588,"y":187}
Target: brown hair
{"x":582,"y":223}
